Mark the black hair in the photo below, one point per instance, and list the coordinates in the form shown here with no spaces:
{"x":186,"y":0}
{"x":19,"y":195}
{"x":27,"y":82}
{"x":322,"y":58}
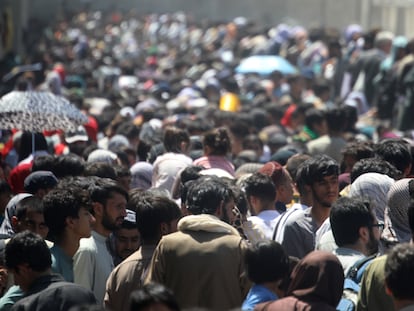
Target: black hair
{"x":395,"y":151}
{"x":292,"y":166}
{"x":122,"y":171}
{"x":336,"y":119}
{"x":103,"y":189}
{"x":128,"y":129}
{"x":251,"y":139}
{"x":399,"y":271}
{"x":68,"y":165}
{"x":151,"y":294}
{"x":347,"y":216}
{"x":218,"y":141}
{"x":189,"y":173}
{"x":374,"y":165}
{"x":358,"y":149}
{"x":122,"y":157}
{"x":313,"y":117}
{"x":266,"y":261}
{"x":60,"y":204}
{"x":32,"y":202}
{"x":28,"y":248}
{"x":315,"y":169}
{"x":151,"y":211}
{"x":206,"y":194}
{"x":44,"y":163}
{"x":261,"y":186}
{"x":173,"y":137}
{"x":100,"y":169}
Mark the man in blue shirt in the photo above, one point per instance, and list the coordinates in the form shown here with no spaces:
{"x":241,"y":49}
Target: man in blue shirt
{"x":67,"y":214}
{"x":267,"y":264}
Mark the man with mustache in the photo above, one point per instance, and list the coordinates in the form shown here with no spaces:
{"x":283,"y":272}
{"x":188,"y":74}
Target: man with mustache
{"x":356,"y":230}
{"x":93,"y":262}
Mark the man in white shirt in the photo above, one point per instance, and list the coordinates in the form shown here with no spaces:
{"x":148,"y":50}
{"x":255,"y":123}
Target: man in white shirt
{"x":93,"y":262}
{"x":261,"y":195}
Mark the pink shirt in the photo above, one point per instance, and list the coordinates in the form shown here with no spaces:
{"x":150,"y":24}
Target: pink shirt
{"x":215,"y":162}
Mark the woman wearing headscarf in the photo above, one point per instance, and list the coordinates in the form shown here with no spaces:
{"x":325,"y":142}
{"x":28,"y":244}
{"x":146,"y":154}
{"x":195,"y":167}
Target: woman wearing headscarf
{"x":317,"y":285}
{"x":398,"y":201}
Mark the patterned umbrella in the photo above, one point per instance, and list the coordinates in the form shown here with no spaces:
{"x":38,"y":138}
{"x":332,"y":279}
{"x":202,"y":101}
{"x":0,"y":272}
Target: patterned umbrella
{"x":38,"y":111}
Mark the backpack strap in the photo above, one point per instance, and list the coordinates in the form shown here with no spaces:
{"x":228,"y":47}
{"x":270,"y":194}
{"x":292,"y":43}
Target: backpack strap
{"x":361,"y":264}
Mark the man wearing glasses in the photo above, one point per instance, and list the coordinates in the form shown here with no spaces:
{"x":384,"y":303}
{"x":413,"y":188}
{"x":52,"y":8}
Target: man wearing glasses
{"x":356,"y":230}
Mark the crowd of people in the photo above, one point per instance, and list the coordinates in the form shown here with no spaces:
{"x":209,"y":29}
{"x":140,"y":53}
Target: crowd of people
{"x":195,"y":186}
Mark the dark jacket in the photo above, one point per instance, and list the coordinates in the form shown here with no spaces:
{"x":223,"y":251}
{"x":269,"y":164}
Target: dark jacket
{"x":51,"y":292}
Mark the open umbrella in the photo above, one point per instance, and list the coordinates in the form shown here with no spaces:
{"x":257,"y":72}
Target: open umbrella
{"x":38,"y":111}
{"x":265,"y":64}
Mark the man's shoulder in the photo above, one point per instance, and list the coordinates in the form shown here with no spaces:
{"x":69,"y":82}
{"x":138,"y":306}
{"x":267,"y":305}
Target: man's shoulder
{"x":129,"y":264}
{"x":87,"y":244}
{"x":56,"y":291}
{"x":296,"y":216}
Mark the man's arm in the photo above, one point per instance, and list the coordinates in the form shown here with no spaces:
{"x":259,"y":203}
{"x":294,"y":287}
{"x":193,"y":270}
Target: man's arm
{"x":121,"y":283}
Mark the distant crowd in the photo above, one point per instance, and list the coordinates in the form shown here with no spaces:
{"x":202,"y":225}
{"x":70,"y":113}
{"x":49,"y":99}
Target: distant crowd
{"x":196,"y":184}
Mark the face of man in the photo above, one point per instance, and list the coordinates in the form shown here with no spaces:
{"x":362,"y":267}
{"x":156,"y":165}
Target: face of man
{"x":32,"y":221}
{"x":374,"y":237}
{"x":83,"y":224}
{"x":127,"y":241}
{"x":114,"y":212}
{"x":325,"y":191}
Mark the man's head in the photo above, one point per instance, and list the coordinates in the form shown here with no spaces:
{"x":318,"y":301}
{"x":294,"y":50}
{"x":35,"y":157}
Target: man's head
{"x":319,"y":175}
{"x":153,"y":297}
{"x":27,"y":256}
{"x":29,"y":216}
{"x":353,"y":152}
{"x":336,"y":120}
{"x":283,"y":182}
{"x":399,"y":274}
{"x":354,"y":225}
{"x":211,"y":195}
{"x":260,"y":192}
{"x":127,"y":237}
{"x":397,"y":152}
{"x":39,"y":183}
{"x":109,"y":202}
{"x":155,"y":216}
{"x":266,"y":261}
{"x":67,"y":212}
{"x":316,"y":121}
{"x":77,"y":140}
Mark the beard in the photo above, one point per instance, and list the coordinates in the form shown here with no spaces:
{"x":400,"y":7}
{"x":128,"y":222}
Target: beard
{"x":372,"y":244}
{"x":110,"y":224}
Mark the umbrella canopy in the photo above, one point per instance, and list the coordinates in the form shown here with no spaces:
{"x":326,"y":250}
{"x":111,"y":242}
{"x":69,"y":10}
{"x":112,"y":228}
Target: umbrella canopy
{"x":38,"y":111}
{"x":265,"y":64}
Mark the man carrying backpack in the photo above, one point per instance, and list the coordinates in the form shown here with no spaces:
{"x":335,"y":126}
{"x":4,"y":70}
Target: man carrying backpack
{"x":355,"y":229}
{"x":356,"y":232}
